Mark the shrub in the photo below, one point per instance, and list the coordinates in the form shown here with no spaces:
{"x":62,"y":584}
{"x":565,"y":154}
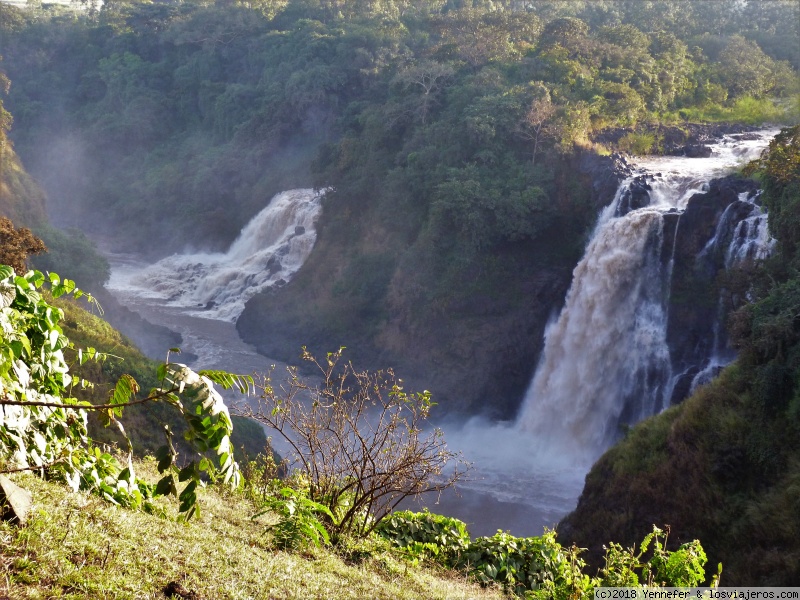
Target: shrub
{"x":298,"y":523}
{"x":537,"y":564}
{"x":358,"y":441}
{"x":682,"y":568}
{"x":539,"y":567}
{"x":43,"y":427}
{"x":637,"y":143}
{"x":426,"y":535}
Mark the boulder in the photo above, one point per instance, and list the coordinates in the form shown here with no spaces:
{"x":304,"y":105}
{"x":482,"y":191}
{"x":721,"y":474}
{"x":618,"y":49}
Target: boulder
{"x":696,"y":151}
{"x":274,"y":265}
{"x":636,"y":196}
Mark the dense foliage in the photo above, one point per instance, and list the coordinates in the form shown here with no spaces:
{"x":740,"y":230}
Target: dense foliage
{"x":43,"y":427}
{"x":446,"y":130}
{"x":190,"y":104}
{"x":539,"y":567}
{"x":723,"y":466}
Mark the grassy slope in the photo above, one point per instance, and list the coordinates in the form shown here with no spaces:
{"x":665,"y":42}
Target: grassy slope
{"x":77,"y":546}
{"x":21,"y":200}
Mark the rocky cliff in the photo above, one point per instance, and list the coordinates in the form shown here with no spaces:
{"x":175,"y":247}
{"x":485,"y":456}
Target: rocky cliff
{"x":376,"y":291}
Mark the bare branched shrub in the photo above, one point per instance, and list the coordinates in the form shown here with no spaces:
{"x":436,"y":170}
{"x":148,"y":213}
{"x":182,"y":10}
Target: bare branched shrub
{"x":358,"y":438}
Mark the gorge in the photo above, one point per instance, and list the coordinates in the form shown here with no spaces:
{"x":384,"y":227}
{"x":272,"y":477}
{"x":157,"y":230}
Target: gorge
{"x":624,"y":347}
{"x":533,"y":210}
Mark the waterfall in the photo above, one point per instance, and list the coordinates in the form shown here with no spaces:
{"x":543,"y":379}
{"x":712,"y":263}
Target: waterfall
{"x":606,"y":362}
{"x":751,"y":238}
{"x":267,"y":252}
{"x":606,"y":357}
{"x":742,"y":234}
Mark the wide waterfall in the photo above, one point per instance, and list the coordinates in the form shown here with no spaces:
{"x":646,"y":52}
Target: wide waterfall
{"x":268,"y":251}
{"x":606,"y":361}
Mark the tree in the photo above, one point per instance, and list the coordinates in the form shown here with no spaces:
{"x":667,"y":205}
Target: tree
{"x":567,"y":32}
{"x":480,"y":36}
{"x":745,"y":69}
{"x":358,"y":439}
{"x":429,"y":77}
{"x":536,"y":124}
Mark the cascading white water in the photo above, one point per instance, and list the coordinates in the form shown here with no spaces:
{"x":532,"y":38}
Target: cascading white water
{"x":268,"y":251}
{"x":610,"y":341}
{"x":606,"y":361}
{"x":751,"y":238}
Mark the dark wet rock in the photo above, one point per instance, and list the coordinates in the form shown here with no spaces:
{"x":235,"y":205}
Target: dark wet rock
{"x":605,"y":173}
{"x":299,"y":230}
{"x":749,"y":137}
{"x":694,"y":308}
{"x":683,"y":385}
{"x":274,"y":265}
{"x":696,"y":151}
{"x":636,"y":196}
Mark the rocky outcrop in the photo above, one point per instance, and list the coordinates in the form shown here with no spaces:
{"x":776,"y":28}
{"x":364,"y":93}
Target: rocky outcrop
{"x":605,"y":174}
{"x":693,"y":151}
{"x":637,"y":195}
{"x":700,"y":238}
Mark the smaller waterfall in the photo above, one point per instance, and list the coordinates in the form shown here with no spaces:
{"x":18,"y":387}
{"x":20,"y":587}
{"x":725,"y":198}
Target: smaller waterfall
{"x":268,"y":251}
{"x":742,"y":234}
{"x":751,"y":239}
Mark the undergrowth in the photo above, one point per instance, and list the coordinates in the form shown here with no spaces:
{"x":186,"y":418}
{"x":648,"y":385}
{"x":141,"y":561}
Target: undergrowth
{"x":78,"y":546}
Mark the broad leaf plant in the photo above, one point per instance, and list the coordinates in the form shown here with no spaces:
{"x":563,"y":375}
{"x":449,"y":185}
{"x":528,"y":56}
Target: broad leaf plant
{"x":43,"y":427}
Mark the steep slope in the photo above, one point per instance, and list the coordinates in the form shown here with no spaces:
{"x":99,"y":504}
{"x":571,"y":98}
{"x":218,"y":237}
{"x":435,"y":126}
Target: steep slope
{"x":21,"y":200}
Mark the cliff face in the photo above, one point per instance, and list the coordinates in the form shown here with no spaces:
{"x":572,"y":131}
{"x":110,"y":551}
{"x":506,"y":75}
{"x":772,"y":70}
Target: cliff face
{"x":700,"y":252}
{"x":375,"y":290}
{"x":21,"y":199}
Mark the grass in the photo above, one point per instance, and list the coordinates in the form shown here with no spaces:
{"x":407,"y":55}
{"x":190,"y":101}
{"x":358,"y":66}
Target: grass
{"x":78,"y":546}
{"x":747,"y":110}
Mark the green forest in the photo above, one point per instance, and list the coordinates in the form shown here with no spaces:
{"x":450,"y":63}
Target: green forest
{"x":450,"y":135}
{"x":459,"y":142}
